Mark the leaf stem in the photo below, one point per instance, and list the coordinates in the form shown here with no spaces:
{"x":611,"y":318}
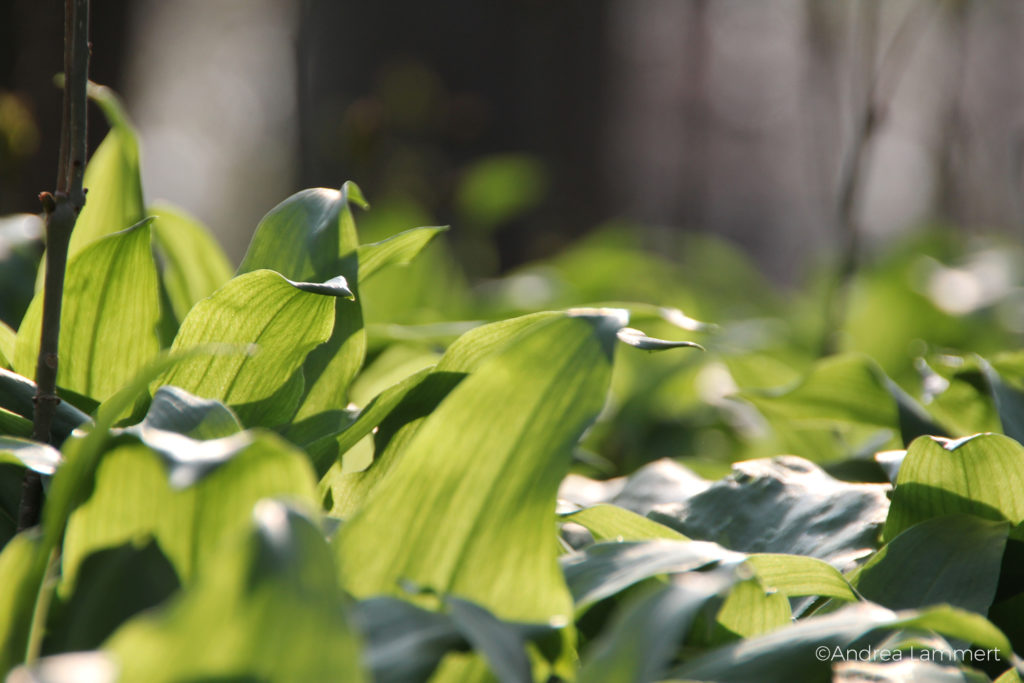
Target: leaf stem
{"x":61,"y":209}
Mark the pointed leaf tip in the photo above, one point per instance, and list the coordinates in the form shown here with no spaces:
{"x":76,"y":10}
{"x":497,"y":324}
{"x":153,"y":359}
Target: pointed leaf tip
{"x":635,"y":337}
{"x":336,"y":286}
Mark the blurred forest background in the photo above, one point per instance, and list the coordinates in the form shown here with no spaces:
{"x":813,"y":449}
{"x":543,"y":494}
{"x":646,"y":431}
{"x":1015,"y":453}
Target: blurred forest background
{"x":526,"y":123}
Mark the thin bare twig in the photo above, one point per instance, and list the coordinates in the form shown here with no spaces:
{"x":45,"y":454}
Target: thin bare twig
{"x":883,"y":83}
{"x":61,"y":209}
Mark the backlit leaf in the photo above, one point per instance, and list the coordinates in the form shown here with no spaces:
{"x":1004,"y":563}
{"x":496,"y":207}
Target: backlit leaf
{"x":284,"y":319}
{"x":980,"y":475}
{"x":191,"y":496}
{"x":194,"y":265}
{"x":397,"y":250}
{"x":268,"y":609}
{"x":488,"y":476}
{"x":109,"y":316}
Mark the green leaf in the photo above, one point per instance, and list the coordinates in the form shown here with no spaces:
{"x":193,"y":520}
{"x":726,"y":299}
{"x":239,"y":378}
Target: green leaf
{"x":638,"y":339}
{"x":645,"y":633}
{"x":22,"y":565}
{"x":488,"y":476}
{"x":1009,"y":401}
{"x":404,"y":642}
{"x":8,"y":339}
{"x":175,"y":410}
{"x":798,"y":575}
{"x":805,"y":651}
{"x":305,"y":236}
{"x":466,"y":354}
{"x":16,"y":393}
{"x":109,"y":317}
{"x":784,"y":505}
{"x":73,"y":482}
{"x":269,"y":609}
{"x":285,"y":320}
{"x":905,"y":669}
{"x":612,"y":523}
{"x":41,"y":457}
{"x":194,"y":265}
{"x":751,"y":610}
{"x":980,"y":475}
{"x":605,"y":569}
{"x":312,"y":236}
{"x":503,"y":646}
{"x":114,"y":584}
{"x":191,"y":496}
{"x":960,"y":555}
{"x":848,"y":389}
{"x":112,"y":178}
{"x":397,"y":250}
{"x":327,"y":449}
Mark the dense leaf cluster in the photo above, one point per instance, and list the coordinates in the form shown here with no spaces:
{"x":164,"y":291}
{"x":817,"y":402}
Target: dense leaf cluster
{"x":304,"y":470}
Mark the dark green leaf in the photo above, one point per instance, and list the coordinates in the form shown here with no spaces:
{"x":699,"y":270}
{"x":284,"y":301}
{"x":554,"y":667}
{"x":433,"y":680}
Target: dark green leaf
{"x":641,"y":641}
{"x":605,"y":569}
{"x":805,"y":650}
{"x":785,"y":505}
{"x":113,"y":585}
{"x":16,"y":393}
{"x":954,"y":559}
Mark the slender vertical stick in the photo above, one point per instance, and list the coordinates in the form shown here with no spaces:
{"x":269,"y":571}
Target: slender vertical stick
{"x":882,"y":85}
{"x":62,"y":209}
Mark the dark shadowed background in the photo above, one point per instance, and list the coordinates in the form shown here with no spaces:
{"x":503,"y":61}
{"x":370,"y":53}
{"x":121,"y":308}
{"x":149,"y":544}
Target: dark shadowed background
{"x":526,"y":123}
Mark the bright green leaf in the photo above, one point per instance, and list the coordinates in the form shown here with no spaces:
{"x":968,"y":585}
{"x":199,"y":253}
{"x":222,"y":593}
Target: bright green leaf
{"x":397,"y":250}
{"x":22,"y":564}
{"x":192,"y":497}
{"x":488,"y":477}
{"x":466,"y":354}
{"x":269,"y":609}
{"x":109,"y":317}
{"x":8,"y":339}
{"x":112,"y":178}
{"x":750,"y":610}
{"x":799,"y":575}
{"x":612,"y":523}
{"x":980,"y":475}
{"x":284,"y":319}
{"x":194,"y":265}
